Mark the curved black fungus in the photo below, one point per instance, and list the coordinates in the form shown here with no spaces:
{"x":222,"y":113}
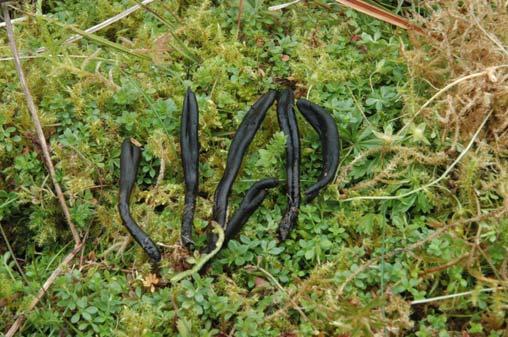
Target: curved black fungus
{"x":288,"y":125}
{"x":325,"y":126}
{"x":253,"y":198}
{"x":129,"y":162}
{"x":189,"y":145}
{"x":241,"y":141}
{"x":251,"y":201}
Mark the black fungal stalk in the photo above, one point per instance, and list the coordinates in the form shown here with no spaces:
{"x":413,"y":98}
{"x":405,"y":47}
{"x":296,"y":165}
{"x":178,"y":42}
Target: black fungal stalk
{"x":129,"y":162}
{"x":288,"y":125}
{"x":189,"y":145}
{"x":325,"y":126}
{"x":251,"y":201}
{"x":241,"y":141}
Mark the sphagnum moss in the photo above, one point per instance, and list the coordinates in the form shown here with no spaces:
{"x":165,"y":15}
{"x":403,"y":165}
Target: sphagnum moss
{"x":91,"y":96}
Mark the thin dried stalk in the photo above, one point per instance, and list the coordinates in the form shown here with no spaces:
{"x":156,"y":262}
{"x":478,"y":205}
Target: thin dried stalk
{"x":447,"y":297}
{"x":9,"y":247}
{"x":282,"y":6}
{"x":20,"y":19}
{"x":430,"y":271}
{"x":98,"y":39}
{"x":239,"y":17}
{"x":35,"y":119}
{"x":368,"y":9}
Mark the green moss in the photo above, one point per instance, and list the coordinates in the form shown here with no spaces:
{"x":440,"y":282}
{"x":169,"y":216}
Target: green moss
{"x":90,"y":96}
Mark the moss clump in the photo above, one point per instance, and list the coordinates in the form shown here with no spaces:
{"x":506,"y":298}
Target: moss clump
{"x":353,"y":265}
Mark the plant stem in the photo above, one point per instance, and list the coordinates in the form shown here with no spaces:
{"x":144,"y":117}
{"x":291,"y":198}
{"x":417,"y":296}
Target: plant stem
{"x":446,"y":297}
{"x":35,"y":119}
{"x":180,"y":276}
{"x":239,"y":17}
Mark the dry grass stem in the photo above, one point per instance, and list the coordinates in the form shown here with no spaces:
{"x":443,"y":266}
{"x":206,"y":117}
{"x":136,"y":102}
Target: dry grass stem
{"x":447,"y":297}
{"x":35,"y":119}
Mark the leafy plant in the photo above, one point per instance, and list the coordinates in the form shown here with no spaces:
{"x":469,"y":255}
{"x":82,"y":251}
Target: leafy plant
{"x":361,"y":252}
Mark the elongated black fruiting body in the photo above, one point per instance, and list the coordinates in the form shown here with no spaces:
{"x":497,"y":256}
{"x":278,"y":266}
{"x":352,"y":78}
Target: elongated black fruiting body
{"x":251,"y":201}
{"x":129,"y":162}
{"x":241,"y":141}
{"x":289,"y":125}
{"x":325,"y":126}
{"x":189,"y":146}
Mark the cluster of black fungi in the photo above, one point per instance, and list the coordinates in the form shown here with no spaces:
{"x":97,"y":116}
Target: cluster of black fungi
{"x":320,"y":120}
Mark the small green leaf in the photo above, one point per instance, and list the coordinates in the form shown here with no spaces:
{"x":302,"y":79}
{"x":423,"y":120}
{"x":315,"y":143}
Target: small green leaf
{"x":75,"y":318}
{"x":91,"y":310}
{"x":81,"y":302}
{"x":86,"y":315}
{"x":184,"y":327}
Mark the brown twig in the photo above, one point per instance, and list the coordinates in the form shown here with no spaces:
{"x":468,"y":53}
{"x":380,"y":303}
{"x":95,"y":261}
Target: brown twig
{"x":82,"y":255}
{"x":37,"y":124}
{"x":21,"y":318}
{"x":450,"y":296}
{"x":430,"y":271}
{"x":239,"y":17}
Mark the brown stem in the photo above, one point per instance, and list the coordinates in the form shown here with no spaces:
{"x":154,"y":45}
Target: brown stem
{"x":239,"y":17}
{"x":430,"y":271}
{"x":35,"y":119}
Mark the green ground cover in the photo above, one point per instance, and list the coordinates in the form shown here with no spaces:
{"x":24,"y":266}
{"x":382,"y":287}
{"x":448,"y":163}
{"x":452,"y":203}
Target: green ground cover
{"x":351,"y":267}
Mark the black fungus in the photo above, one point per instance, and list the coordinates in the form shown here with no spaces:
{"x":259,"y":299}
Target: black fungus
{"x":251,"y":201}
{"x":241,"y":141}
{"x":189,"y":145}
{"x":289,"y":126}
{"x":129,"y":162}
{"x":325,"y":126}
